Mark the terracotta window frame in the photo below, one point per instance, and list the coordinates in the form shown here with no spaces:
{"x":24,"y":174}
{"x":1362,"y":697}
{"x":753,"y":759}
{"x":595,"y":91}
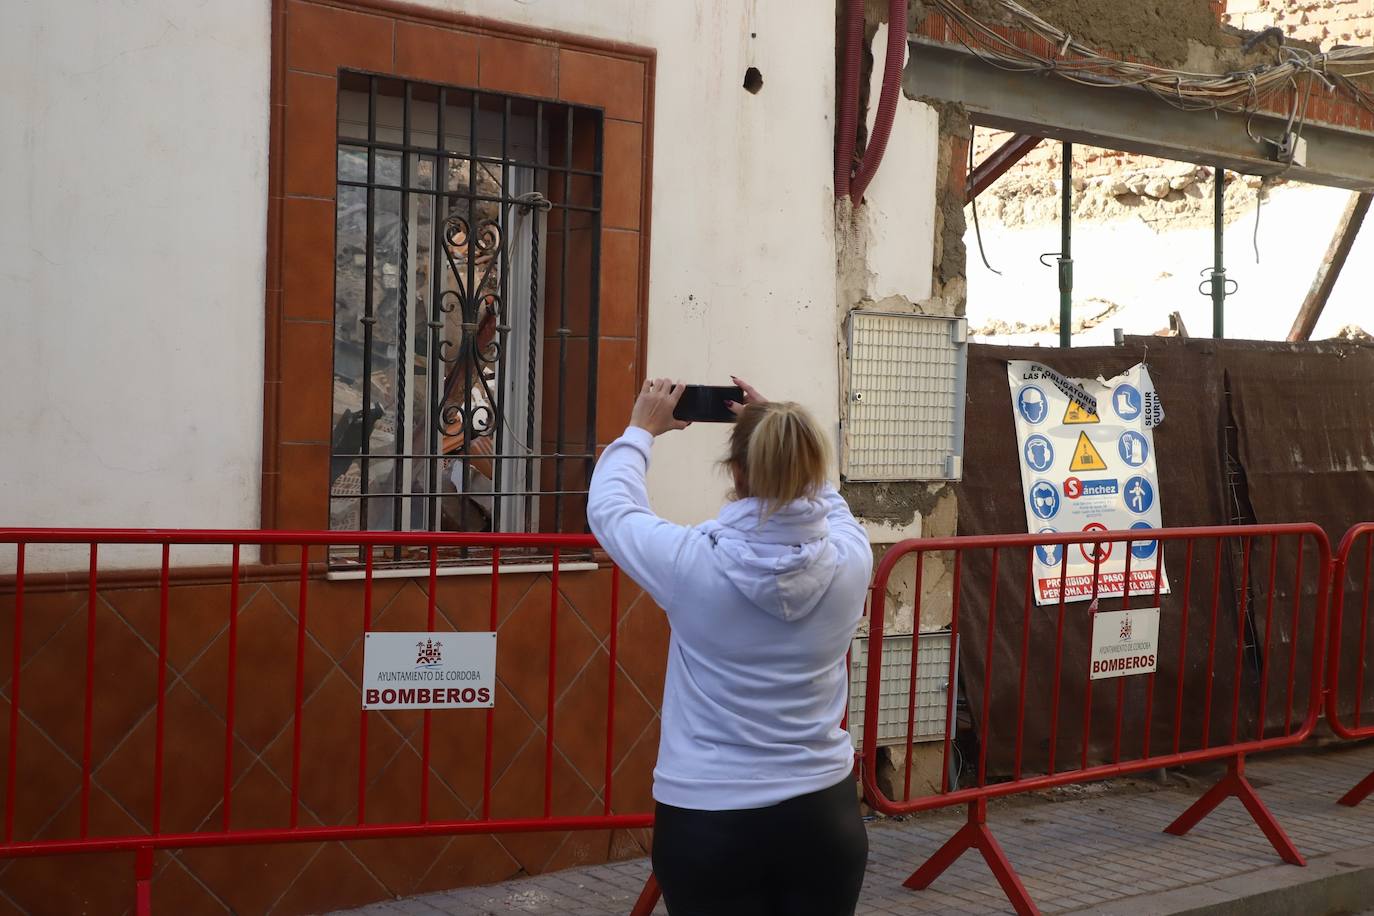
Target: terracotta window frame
{"x":312,"y":42}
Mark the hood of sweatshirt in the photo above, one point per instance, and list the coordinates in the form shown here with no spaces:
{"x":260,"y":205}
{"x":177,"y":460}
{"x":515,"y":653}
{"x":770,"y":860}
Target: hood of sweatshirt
{"x":784,"y":563}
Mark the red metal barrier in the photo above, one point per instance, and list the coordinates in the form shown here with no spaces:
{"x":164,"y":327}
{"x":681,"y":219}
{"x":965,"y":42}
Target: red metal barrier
{"x":1274,"y":609}
{"x":1277,"y":580}
{"x":221,"y":831}
{"x":1351,"y":575}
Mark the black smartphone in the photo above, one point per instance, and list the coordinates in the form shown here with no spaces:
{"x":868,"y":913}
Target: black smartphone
{"x":706,"y":403}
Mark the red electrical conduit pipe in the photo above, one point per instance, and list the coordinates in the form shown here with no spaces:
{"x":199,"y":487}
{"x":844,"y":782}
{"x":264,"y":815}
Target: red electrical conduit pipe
{"x":846,"y":135}
{"x":854,"y":187}
{"x":887,"y":102}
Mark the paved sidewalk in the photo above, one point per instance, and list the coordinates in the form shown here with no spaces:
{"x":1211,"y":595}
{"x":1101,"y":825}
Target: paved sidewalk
{"x":1078,"y":848}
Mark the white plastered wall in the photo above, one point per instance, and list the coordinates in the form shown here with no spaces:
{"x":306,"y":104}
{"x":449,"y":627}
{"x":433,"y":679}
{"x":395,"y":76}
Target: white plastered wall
{"x":132,"y":242}
{"x":888,"y":266}
{"x":132,"y":226}
{"x":742,"y":270}
{"x":895,"y":256}
{"x":898,"y":217}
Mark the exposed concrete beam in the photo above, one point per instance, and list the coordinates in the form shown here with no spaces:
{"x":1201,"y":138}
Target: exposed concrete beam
{"x":1131,"y":120}
{"x":1330,"y":267}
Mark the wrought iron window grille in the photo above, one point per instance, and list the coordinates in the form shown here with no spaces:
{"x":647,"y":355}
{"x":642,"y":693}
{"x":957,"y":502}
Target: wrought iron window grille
{"x":467,"y":253}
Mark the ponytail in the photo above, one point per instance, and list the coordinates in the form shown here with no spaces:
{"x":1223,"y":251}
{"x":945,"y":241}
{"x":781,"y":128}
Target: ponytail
{"x":778,"y":454}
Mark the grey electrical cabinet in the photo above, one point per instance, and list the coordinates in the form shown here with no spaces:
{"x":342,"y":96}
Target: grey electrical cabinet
{"x":903,"y":411}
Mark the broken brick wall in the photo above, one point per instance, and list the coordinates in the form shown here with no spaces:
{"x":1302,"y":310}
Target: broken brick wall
{"x":1112,"y":184}
{"x":1326,"y":22}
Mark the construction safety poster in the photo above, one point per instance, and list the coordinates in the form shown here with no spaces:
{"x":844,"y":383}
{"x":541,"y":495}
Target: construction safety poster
{"x":1087,"y":459}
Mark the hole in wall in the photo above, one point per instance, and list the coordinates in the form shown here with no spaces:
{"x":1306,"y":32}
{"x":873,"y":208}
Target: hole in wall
{"x":753,"y":80}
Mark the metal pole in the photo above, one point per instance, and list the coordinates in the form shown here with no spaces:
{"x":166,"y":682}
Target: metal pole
{"x":1219,"y":255}
{"x":1066,"y":251}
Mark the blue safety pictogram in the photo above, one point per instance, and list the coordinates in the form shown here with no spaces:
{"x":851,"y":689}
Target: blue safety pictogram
{"x":1032,"y":404}
{"x":1126,"y":402}
{"x":1134,"y":448}
{"x":1049,"y":554}
{"x":1039,"y":453}
{"x":1044,"y":499}
{"x":1143,"y":550}
{"x":1139,"y":495}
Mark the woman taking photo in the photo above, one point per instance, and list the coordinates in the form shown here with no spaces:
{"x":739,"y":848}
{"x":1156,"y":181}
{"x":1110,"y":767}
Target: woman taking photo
{"x":756,"y":809}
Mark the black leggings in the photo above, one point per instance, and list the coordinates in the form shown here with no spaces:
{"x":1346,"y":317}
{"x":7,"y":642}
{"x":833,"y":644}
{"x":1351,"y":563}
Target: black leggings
{"x":801,"y":857}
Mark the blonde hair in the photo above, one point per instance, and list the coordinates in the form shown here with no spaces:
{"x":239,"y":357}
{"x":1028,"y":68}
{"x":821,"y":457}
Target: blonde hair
{"x":777,"y":454}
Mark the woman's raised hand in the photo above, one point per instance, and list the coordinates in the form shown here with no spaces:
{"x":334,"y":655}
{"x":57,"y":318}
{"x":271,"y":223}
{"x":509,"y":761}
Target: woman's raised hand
{"x":653,"y":410}
{"x":751,"y":396}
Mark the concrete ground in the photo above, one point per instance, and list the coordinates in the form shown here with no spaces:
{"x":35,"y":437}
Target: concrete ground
{"x":1081,"y":849}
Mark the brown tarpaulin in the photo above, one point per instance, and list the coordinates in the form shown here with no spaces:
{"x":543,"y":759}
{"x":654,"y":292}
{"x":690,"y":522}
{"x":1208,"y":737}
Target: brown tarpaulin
{"x":1225,"y":454}
{"x":1305,"y":422}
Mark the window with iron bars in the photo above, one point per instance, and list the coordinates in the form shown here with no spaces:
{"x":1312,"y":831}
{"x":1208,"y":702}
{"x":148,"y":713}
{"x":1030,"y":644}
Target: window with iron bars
{"x":466,"y":266}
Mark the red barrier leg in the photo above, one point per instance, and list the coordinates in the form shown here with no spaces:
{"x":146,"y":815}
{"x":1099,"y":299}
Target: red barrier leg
{"x":1235,"y":783}
{"x":976,"y":835}
{"x":143,"y":881}
{"x":1360,"y":792}
{"x":648,"y":898}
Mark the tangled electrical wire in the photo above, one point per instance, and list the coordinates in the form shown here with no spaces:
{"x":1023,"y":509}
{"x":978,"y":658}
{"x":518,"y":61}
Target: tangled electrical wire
{"x":1240,"y":91}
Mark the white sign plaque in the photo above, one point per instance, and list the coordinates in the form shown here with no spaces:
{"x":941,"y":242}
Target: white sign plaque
{"x":429,"y":670}
{"x":1125,"y":642}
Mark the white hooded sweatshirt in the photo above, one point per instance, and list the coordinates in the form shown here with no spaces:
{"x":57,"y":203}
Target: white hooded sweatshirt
{"x":762,"y":615}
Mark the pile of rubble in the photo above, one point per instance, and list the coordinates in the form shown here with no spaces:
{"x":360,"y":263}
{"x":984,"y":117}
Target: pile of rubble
{"x":1102,"y":310}
{"x":1354,"y":333}
{"x":1152,"y":190}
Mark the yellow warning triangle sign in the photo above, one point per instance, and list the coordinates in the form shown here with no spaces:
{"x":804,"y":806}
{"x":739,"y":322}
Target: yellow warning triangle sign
{"x":1086,"y":457}
{"x":1076,"y":414}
